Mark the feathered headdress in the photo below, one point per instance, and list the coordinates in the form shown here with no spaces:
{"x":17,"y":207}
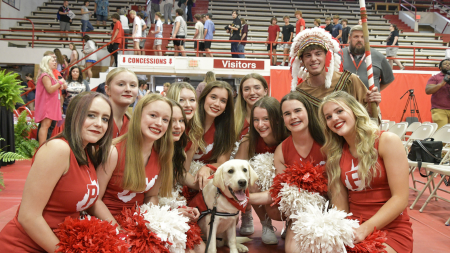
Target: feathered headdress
{"x":314,"y":36}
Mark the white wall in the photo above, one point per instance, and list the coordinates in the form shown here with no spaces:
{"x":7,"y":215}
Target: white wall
{"x":26,"y":7}
{"x":409,"y":20}
{"x":437,"y":21}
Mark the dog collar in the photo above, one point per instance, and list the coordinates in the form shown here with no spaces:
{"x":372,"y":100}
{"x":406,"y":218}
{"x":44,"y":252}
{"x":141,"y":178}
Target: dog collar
{"x":241,"y":206}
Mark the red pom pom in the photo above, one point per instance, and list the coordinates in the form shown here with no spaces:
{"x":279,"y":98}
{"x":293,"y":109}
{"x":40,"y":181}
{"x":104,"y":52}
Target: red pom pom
{"x":193,"y":235}
{"x":88,"y":235}
{"x":188,"y":193}
{"x":140,"y":238}
{"x":373,"y":243}
{"x":303,"y":175}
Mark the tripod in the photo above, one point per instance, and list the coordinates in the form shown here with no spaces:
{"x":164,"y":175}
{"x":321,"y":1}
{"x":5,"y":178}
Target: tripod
{"x":413,"y":108}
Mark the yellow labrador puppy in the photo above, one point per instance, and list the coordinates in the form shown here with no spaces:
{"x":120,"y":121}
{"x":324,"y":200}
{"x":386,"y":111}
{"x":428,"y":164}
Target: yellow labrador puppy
{"x":232,"y":178}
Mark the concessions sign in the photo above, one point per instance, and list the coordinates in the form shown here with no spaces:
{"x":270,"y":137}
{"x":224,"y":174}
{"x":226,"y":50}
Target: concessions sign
{"x":238,"y":64}
{"x":146,"y":61}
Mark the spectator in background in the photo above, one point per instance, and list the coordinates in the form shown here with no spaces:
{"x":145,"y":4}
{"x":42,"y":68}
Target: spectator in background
{"x":75,"y":85}
{"x":74,"y":56}
{"x":187,"y":80}
{"x":199,"y":28}
{"x":234,"y":29}
{"x":360,"y":22}
{"x":439,"y":88}
{"x":183,"y":4}
{"x":61,"y":62}
{"x":209,"y":77}
{"x":244,"y":32}
{"x":392,"y":40}
{"x":166,"y":87}
{"x":144,"y":32}
{"x":125,"y":25}
{"x":64,"y":19}
{"x":190,"y":4}
{"x":154,"y":5}
{"x":168,"y":12}
{"x":336,"y":32}
{"x":209,"y":33}
{"x":272,"y":38}
{"x":286,"y":36}
{"x":300,"y":25}
{"x":89,"y":47}
{"x":30,"y":86}
{"x":142,"y":90}
{"x":101,"y":9}
{"x":48,"y":105}
{"x":158,"y":34}
{"x":179,"y":31}
{"x":142,"y":9}
{"x":328,"y":25}
{"x":116,"y":36}
{"x":317,"y":22}
{"x":86,"y":26}
{"x":137,"y":31}
{"x":345,"y":31}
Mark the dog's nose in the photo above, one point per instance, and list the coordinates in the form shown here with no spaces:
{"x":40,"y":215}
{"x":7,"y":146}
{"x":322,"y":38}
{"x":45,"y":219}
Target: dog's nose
{"x":242,"y":182}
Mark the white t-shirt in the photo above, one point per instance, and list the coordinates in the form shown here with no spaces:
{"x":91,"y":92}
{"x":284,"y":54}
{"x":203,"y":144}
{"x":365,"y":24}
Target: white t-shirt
{"x":200,"y":28}
{"x":137,"y":22}
{"x":124,"y":22}
{"x":160,"y":25}
{"x":182,"y":29}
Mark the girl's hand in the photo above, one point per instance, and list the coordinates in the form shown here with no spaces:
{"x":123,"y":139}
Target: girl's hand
{"x":202,"y":176}
{"x":190,"y":212}
{"x":361,"y":233}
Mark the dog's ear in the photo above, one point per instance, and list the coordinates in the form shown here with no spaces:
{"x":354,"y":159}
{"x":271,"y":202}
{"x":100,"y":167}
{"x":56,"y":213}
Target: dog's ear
{"x":218,"y":177}
{"x":252,"y":174}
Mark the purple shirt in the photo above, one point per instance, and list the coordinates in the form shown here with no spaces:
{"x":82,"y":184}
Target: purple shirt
{"x":441,"y":98}
{"x":155,"y":1}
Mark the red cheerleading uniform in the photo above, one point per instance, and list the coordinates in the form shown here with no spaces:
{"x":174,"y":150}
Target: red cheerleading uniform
{"x":245,"y":129}
{"x":291,"y":156}
{"x":115,"y":197}
{"x":366,"y":203}
{"x":76,"y":191}
{"x":209,"y":143}
{"x":262,"y":148}
{"x":123,"y":130}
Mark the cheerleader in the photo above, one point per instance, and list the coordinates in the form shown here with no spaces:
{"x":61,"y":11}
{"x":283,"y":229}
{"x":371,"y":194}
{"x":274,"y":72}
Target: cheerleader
{"x":303,"y":143}
{"x":185,"y":95}
{"x":122,"y":88}
{"x":62,"y":179}
{"x":140,"y":163}
{"x":266,"y":133}
{"x":367,"y":171}
{"x":252,"y":88}
{"x":216,"y":112}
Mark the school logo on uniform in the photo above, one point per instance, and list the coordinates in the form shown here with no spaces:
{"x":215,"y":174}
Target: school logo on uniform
{"x":207,"y":150}
{"x":90,"y":197}
{"x":352,"y":180}
{"x":127,"y":195}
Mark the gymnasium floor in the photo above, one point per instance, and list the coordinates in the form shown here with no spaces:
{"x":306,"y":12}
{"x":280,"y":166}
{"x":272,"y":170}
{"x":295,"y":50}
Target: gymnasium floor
{"x":430,"y":233}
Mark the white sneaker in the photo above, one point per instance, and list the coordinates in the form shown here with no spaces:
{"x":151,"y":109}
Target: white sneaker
{"x":246,"y":223}
{"x":268,"y":232}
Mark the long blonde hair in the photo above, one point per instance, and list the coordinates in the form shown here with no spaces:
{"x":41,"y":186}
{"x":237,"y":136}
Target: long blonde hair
{"x":209,"y":77}
{"x":134,"y":173}
{"x":240,"y":111}
{"x":45,"y":68}
{"x":367,"y":133}
{"x":194,"y":125}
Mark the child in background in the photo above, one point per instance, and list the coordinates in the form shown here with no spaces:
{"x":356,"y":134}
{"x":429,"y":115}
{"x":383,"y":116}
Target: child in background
{"x":158,"y":34}
{"x":286,"y":36}
{"x":300,"y":25}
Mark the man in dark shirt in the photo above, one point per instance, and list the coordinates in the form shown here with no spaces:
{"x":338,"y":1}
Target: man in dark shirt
{"x":287,"y":35}
{"x":439,"y":88}
{"x":329,"y":26}
{"x":345,"y":31}
{"x":64,"y":19}
{"x":337,"y":28}
{"x":244,"y":32}
{"x":234,"y":29}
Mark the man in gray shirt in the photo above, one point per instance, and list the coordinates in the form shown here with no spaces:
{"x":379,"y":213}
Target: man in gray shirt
{"x":354,"y":61}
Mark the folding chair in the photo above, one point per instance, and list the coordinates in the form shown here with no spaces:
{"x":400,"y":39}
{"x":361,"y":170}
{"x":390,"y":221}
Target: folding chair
{"x":391,"y":123}
{"x":411,"y":128}
{"x":384,"y":126}
{"x":399,"y":129}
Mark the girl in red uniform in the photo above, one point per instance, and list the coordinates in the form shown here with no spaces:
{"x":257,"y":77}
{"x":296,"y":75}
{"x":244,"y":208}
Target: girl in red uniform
{"x":62,"y":179}
{"x":121,"y":85}
{"x":304,"y":143}
{"x":367,"y":171}
{"x":140,"y":164}
{"x":253,"y":87}
{"x":267,"y":131}
{"x":185,"y":95}
{"x":216,"y":112}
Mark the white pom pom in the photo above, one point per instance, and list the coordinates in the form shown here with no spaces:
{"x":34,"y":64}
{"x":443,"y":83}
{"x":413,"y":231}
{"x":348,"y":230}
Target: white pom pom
{"x":262,"y":164}
{"x":195,"y":167}
{"x":294,"y":200}
{"x":321,"y":230}
{"x":295,"y":69}
{"x":235,"y":150}
{"x":169,"y":225}
{"x":175,"y":201}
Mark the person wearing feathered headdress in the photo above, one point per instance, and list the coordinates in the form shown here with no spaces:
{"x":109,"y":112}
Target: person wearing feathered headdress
{"x":317,"y":69}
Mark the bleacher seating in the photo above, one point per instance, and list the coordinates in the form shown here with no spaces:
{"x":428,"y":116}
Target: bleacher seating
{"x":257,"y":13}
